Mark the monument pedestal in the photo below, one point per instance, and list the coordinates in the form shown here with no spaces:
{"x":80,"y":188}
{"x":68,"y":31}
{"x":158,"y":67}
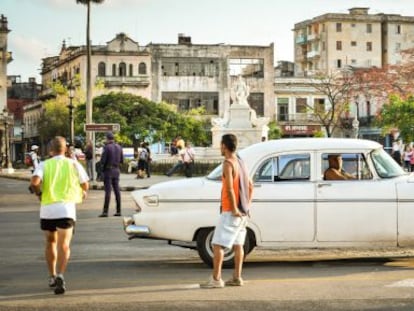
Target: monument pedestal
{"x":240,"y":125}
{"x":239,"y":120}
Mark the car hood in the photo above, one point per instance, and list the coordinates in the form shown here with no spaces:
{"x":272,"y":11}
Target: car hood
{"x":182,"y":189}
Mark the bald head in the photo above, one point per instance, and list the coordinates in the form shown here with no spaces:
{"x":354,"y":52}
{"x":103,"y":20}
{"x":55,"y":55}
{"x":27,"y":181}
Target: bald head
{"x":58,"y":145}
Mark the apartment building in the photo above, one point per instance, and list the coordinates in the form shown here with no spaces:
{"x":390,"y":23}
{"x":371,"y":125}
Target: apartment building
{"x":122,"y":65}
{"x":334,"y":41}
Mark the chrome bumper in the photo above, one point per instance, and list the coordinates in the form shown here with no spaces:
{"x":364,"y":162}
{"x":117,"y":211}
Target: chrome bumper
{"x":134,"y":230}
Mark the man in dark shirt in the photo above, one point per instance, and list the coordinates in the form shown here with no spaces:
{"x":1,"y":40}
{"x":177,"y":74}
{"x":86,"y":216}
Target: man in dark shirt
{"x":112,"y":157}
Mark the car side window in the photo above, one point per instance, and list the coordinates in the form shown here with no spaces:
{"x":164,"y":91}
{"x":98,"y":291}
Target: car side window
{"x":284,"y":168}
{"x":354,"y":164}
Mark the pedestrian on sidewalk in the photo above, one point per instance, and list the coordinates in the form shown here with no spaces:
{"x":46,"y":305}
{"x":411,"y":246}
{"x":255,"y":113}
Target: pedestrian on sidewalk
{"x":34,"y":154}
{"x":60,"y":183}
{"x":112,"y":158}
{"x":89,"y":159}
{"x":230,"y":232}
{"x":188,"y":159}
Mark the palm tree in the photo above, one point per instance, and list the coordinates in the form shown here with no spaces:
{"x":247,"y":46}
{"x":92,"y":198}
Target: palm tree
{"x":88,"y":59}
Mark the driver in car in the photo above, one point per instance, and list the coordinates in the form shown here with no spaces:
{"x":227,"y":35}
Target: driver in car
{"x":335,"y":170}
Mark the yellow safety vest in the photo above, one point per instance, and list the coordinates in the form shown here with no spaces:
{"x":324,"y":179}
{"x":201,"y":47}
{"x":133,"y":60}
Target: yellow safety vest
{"x":60,"y":182}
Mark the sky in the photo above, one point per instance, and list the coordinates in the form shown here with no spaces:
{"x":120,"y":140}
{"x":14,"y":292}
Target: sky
{"x":38,"y":27}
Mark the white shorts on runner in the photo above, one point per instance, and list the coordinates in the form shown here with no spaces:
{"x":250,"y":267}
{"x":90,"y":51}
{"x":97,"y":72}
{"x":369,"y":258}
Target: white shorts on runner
{"x":230,"y":230}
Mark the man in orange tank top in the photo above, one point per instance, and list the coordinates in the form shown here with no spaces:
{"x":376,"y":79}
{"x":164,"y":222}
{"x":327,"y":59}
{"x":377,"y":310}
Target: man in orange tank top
{"x":231,"y":228}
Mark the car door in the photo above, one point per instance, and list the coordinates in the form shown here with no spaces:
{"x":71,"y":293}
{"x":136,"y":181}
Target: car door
{"x":283,"y":209}
{"x":356,"y":211}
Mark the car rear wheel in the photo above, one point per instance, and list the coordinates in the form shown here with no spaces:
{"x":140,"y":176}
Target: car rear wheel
{"x":205,"y":248}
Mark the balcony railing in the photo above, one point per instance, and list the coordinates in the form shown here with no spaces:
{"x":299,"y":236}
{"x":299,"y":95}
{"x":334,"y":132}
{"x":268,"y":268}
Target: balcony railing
{"x":313,"y":36}
{"x":312,"y":54}
{"x":301,"y":39}
{"x":142,"y":80}
{"x":298,"y":117}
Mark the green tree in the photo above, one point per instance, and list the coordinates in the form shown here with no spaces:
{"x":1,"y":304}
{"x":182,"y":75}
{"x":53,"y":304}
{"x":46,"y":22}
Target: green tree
{"x":398,"y":113}
{"x":54,"y":120}
{"x":274,"y":131}
{"x":88,"y":58}
{"x":146,"y":120}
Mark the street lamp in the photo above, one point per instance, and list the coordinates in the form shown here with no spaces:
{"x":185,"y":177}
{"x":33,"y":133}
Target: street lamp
{"x":23,"y":144}
{"x":7,"y":120}
{"x":71,"y":92}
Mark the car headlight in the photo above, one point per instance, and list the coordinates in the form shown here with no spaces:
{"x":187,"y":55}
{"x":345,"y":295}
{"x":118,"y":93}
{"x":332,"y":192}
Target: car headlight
{"x":151,"y":200}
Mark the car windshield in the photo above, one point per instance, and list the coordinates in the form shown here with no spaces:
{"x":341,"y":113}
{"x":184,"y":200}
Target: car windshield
{"x":385,"y":165}
{"x":216,"y":173}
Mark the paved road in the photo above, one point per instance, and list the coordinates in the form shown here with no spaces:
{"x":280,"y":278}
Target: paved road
{"x":108,"y":272}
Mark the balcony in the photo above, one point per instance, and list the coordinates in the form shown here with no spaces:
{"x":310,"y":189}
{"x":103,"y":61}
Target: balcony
{"x":114,"y":81}
{"x":313,"y":54}
{"x":298,"y":118}
{"x":301,"y":39}
{"x":313,"y":36}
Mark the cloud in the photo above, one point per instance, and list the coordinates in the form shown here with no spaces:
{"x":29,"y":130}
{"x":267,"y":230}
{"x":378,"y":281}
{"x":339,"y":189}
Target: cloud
{"x":29,"y":48}
{"x":124,"y":3}
{"x":27,"y":55}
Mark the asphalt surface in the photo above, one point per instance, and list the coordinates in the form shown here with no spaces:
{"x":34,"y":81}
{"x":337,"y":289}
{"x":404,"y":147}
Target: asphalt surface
{"x":108,"y":272}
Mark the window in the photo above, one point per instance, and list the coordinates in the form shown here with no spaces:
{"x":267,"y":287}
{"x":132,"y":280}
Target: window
{"x":385,"y":166}
{"x":353,"y":61}
{"x":354,"y":164}
{"x":122,"y":69}
{"x":142,"y":69}
{"x":256,"y":102}
{"x":247,"y":67}
{"x":398,"y":29}
{"x":369,"y":46}
{"x":101,"y":69}
{"x":283,"y":109}
{"x":338,"y":63}
{"x":323,"y":27}
{"x":290,"y":167}
{"x":338,"y":27}
{"x":319,"y":105}
{"x":369,"y":28}
{"x":301,"y":104}
{"x":338,"y":45}
{"x":131,"y":70}
{"x":353,"y":43}
{"x":114,"y":70}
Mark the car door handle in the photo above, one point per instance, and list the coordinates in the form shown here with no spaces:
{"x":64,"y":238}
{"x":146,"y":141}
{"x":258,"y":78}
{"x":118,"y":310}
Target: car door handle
{"x":320,"y":185}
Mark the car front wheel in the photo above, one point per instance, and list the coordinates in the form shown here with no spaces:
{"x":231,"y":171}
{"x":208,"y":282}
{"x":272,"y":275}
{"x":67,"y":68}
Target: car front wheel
{"x":205,"y":248}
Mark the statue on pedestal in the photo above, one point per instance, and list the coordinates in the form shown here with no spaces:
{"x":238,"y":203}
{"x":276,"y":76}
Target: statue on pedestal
{"x":241,"y":92}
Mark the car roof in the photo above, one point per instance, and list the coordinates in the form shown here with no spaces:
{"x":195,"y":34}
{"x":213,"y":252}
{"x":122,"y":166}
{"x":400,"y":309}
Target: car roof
{"x":301,"y":144}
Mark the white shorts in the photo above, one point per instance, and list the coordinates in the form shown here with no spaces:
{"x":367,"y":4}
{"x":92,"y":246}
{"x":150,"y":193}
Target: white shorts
{"x":230,"y":230}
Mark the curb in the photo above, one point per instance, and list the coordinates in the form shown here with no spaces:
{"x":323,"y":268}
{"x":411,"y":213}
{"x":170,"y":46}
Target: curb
{"x":91,"y":186}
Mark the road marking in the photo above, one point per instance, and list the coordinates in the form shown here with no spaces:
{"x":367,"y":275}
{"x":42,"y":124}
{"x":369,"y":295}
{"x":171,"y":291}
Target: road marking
{"x":403,"y":283}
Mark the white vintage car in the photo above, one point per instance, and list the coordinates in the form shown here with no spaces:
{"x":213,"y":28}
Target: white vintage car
{"x":293,"y":206}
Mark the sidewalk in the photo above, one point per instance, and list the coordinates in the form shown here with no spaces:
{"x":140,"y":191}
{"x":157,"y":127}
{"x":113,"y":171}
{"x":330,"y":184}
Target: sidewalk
{"x":127,"y":182}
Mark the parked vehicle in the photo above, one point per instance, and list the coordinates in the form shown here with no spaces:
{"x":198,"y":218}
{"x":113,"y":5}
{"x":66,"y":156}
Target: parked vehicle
{"x":293,"y":206}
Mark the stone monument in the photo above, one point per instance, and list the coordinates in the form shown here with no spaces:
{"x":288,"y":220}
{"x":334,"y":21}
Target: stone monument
{"x":239,"y":119}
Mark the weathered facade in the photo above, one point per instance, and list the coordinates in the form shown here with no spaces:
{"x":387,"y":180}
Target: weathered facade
{"x":333,"y":41}
{"x":193,"y":75}
{"x":188,"y":75}
{"x":6,"y":120}
{"x":119,"y":66}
